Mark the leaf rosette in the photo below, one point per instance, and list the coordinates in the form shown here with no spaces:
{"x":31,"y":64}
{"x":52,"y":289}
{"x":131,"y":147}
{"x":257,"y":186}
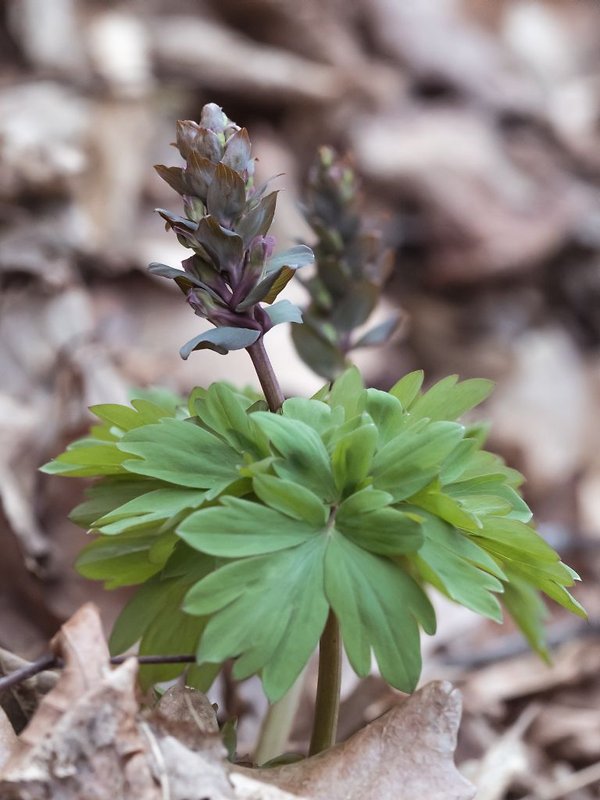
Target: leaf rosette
{"x":257,"y":524}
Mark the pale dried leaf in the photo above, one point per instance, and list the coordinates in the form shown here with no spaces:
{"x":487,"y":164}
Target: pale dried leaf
{"x":405,"y":754}
{"x":8,"y":738}
{"x":268,"y":71}
{"x":526,"y":676}
{"x":506,"y":760}
{"x":247,"y":788}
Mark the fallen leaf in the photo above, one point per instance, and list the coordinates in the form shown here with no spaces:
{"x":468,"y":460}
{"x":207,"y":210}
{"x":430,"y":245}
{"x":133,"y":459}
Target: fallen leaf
{"x":506,"y":760}
{"x":83,"y":740}
{"x":405,"y":754}
{"x":8,"y":738}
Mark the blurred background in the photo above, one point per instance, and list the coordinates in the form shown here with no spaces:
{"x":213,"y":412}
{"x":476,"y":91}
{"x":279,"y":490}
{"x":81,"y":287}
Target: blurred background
{"x":475,"y":127}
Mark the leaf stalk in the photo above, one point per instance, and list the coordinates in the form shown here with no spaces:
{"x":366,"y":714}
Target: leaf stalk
{"x":328,"y":688}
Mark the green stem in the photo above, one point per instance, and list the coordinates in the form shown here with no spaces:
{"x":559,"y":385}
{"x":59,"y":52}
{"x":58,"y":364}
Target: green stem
{"x":328,"y":688}
{"x":277,"y":725}
{"x":266,"y":376}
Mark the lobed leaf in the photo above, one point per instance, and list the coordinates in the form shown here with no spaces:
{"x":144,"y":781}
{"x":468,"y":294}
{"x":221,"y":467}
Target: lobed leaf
{"x":380,"y":607}
{"x":250,"y":621}
{"x":181,"y":453}
{"x":239,"y":528}
{"x":221,"y":340}
{"x":284,"y":311}
{"x":449,"y":400}
{"x":304,"y":458}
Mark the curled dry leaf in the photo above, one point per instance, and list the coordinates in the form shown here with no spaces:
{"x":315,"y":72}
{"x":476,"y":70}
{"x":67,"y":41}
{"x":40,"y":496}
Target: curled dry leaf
{"x":89,"y":739}
{"x":20,"y":702}
{"x":406,"y":753}
{"x":83,"y":741}
{"x":8,"y":738}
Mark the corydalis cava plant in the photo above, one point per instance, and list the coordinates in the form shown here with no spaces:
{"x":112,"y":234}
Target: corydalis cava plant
{"x":248,"y":530}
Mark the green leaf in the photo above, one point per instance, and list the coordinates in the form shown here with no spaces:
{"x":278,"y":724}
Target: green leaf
{"x":107,"y":494}
{"x":488,"y":494}
{"x":226,"y":412}
{"x":240,"y":528}
{"x":516,"y":541}
{"x":284,"y":311}
{"x":385,"y":531}
{"x":448,"y":399}
{"x":157,"y":400}
{"x":379,"y":606}
{"x":221,"y":340}
{"x":408,"y":387}
{"x":304,"y":457}
{"x":455,"y":565}
{"x":316,"y":350}
{"x":148,"y":601}
{"x":447,"y":508}
{"x":226,"y":196}
{"x":291,"y":499}
{"x":137,"y":615}
{"x":409,"y":461}
{"x":314,"y":413}
{"x":380,"y":334}
{"x":386,"y":412}
{"x":250,"y":621}
{"x":158,"y":505}
{"x":352,"y":457}
{"x":125,"y":418}
{"x":458,"y":461}
{"x":348,"y":391}
{"x":181,"y":453}
{"x":364,"y":502}
{"x":355,"y":306}
{"x":529,"y":612}
{"x":172,"y":632}
{"x":120,"y":561}
{"x":86,"y":461}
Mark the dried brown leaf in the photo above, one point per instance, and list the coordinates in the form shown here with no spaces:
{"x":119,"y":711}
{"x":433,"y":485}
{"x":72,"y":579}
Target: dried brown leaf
{"x":83,"y":741}
{"x":8,"y":738}
{"x":405,"y":754}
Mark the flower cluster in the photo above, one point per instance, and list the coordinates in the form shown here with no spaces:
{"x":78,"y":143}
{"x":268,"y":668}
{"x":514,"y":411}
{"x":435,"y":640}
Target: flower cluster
{"x":352,"y":265}
{"x":226,"y":223}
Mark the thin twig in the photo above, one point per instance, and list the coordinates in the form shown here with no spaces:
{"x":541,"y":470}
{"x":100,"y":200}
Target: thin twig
{"x":50,"y":661}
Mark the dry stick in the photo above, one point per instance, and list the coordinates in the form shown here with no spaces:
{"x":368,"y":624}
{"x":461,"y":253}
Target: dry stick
{"x":50,"y":661}
{"x":571,"y":783}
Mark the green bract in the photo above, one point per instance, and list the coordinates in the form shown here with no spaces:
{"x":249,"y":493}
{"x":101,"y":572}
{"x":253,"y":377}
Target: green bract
{"x":257,"y":524}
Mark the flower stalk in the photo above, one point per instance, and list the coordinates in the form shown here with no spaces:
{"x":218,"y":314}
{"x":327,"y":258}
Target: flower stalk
{"x":329,"y":685}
